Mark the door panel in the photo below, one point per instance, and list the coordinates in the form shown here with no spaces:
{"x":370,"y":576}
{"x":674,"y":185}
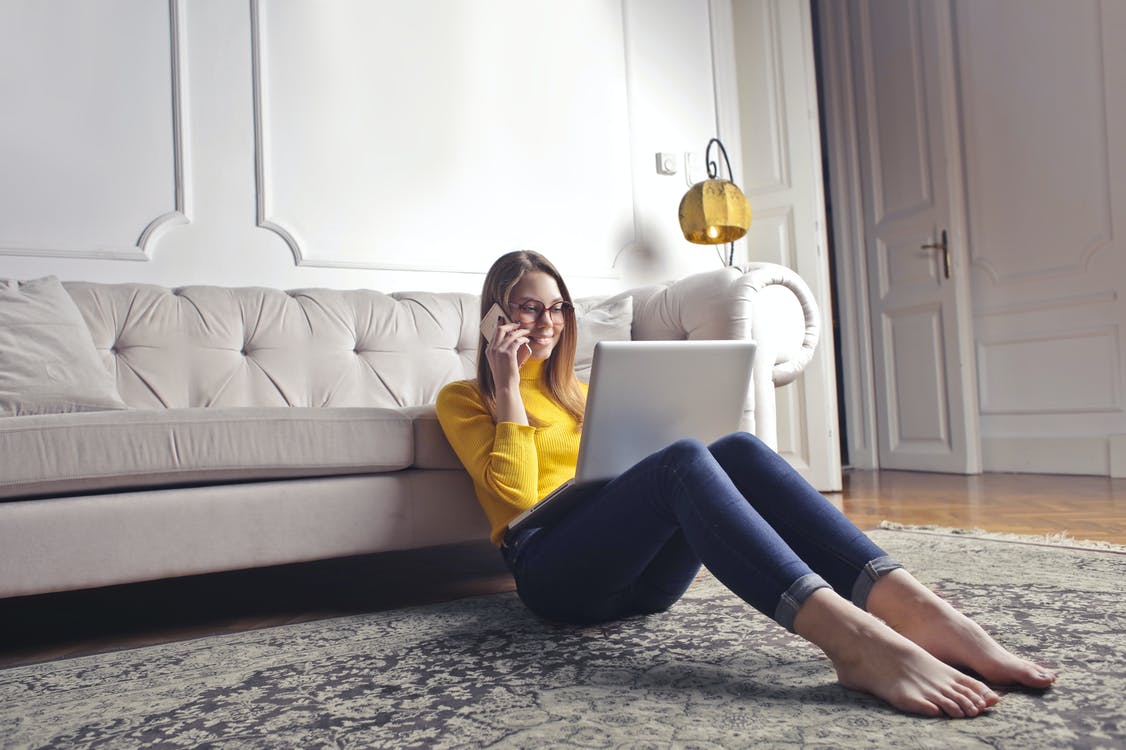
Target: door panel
{"x":917,"y":389}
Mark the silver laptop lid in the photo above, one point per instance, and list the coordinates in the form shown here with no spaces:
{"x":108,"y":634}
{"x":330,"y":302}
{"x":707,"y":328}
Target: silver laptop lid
{"x":645,"y":395}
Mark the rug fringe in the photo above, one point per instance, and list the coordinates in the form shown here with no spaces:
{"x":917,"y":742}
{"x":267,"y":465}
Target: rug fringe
{"x":1060,"y":539}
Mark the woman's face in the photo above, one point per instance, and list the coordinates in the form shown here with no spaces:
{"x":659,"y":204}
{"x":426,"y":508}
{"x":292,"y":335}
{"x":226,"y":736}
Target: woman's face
{"x":530,"y":304}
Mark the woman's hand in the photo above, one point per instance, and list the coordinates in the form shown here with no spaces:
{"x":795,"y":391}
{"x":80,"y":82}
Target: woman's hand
{"x":506,"y":353}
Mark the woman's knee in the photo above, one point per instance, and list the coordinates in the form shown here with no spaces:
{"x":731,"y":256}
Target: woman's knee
{"x":742,"y":445}
{"x":684,"y":451}
{"x":741,"y":439}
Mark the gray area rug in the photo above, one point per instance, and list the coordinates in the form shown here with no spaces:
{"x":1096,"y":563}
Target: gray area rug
{"x":483,"y":672}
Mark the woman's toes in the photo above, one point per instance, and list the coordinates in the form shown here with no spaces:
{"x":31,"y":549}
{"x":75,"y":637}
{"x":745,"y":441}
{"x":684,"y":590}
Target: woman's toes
{"x":967,"y":703}
{"x":1012,"y":670}
{"x":951,"y":706}
{"x":920,"y":707}
{"x":1039,"y":677}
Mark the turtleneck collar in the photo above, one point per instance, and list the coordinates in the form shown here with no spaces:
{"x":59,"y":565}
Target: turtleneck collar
{"x":532,"y":369}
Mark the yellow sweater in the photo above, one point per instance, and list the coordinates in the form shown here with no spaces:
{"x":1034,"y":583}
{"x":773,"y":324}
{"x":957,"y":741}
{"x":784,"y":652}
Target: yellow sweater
{"x":512,"y":465}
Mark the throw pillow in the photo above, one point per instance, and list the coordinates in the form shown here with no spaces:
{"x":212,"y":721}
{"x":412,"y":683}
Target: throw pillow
{"x":600,"y":319}
{"x":48,"y":362}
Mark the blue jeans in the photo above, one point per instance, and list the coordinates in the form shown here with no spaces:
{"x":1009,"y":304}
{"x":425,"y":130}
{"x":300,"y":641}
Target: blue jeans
{"x":735,"y":506}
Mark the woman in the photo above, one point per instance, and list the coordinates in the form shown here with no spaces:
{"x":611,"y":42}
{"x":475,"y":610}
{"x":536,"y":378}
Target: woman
{"x":734,"y":506}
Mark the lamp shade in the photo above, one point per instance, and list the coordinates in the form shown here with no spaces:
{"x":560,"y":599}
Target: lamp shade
{"x":714,"y":212}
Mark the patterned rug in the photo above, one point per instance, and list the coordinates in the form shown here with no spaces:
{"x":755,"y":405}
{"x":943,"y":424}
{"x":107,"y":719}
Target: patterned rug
{"x":483,"y":672}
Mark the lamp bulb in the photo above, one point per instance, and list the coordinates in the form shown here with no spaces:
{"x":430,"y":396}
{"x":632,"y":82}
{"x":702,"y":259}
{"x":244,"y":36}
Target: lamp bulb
{"x":713,"y":232}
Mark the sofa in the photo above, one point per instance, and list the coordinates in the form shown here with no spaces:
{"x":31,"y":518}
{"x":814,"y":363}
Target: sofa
{"x":148,"y":432}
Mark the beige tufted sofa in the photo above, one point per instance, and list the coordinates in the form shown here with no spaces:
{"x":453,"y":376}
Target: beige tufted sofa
{"x":263,"y":426}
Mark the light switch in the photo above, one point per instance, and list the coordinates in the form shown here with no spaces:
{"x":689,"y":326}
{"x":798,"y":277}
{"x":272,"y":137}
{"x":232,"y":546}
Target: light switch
{"x":666,"y":163}
{"x":692,"y":165}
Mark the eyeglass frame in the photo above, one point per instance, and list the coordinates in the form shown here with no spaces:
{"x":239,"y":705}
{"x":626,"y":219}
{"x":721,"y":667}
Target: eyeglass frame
{"x":557,"y":312}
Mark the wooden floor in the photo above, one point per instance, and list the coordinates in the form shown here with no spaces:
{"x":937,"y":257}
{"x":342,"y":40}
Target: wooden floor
{"x":34,"y":629}
{"x":1082,"y":507}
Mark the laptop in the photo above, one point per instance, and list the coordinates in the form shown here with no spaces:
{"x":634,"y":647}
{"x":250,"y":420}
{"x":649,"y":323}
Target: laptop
{"x":644,"y":395}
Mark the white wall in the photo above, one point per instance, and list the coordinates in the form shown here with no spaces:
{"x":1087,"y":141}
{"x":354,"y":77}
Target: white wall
{"x":394,"y":145}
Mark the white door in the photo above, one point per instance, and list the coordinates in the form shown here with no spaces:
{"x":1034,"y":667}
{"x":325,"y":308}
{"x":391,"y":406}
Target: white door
{"x":925,"y":394}
{"x":766,"y":99}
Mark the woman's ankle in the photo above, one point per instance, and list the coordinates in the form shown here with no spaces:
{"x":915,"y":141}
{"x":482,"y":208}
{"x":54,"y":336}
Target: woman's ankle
{"x":830,"y":622}
{"x":898,"y":596}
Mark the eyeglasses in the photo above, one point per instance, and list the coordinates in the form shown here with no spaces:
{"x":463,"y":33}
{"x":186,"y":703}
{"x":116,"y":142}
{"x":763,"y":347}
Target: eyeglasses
{"x":530,"y":312}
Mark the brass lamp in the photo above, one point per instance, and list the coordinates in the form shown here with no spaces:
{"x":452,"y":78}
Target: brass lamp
{"x":715,"y":211}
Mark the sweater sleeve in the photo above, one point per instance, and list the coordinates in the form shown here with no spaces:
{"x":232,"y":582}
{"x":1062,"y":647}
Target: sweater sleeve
{"x":500,"y":458}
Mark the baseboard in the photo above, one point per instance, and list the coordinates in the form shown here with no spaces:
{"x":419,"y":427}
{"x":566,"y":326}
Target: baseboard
{"x":1118,"y":456}
{"x":1075,"y":455}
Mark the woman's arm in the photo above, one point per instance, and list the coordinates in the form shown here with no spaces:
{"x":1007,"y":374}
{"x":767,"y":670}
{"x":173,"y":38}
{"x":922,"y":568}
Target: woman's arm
{"x":500,"y":456}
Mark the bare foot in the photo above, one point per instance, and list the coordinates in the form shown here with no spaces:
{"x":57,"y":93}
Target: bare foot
{"x":913,"y":610}
{"x":871,"y":657}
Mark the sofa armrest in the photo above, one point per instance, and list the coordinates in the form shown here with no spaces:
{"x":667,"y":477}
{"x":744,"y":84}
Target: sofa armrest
{"x":766,"y":302}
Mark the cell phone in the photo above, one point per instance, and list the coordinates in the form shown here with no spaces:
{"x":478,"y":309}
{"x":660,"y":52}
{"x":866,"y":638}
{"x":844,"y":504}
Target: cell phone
{"x":489,"y":323}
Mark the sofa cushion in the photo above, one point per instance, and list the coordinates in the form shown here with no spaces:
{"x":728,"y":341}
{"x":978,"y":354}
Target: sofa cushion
{"x":48,"y":363}
{"x":431,"y":449}
{"x":60,"y":453}
{"x":600,"y":319}
{"x":249,"y":346}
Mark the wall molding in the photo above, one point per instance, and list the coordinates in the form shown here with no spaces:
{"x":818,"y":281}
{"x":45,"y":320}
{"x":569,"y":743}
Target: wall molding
{"x":1067,"y":455}
{"x":299,"y":245}
{"x":261,"y":139}
{"x":1104,"y":297}
{"x":1109,"y":334}
{"x":1104,"y":236}
{"x":1117,"y":449}
{"x":179,"y":214}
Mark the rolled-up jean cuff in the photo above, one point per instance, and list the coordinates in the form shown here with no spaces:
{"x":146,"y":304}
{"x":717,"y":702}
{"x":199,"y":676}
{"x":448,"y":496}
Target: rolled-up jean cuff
{"x":869,"y":574}
{"x":795,"y":596}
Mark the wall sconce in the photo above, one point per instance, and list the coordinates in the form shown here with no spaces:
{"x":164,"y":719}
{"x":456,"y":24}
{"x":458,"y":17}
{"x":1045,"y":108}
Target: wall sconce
{"x":715,"y":211}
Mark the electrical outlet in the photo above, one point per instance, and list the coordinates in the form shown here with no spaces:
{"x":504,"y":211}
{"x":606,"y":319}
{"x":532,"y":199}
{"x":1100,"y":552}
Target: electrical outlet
{"x":666,"y":163}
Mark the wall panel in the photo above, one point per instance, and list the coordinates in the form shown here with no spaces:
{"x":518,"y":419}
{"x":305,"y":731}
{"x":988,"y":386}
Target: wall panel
{"x":1038,"y":188}
{"x":91,"y":130}
{"x":1049,"y":264}
{"x":1050,"y":374}
{"x":358,"y":166}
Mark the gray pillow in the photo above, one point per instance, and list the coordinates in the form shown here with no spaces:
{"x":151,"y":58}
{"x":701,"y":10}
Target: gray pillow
{"x":48,"y":362}
{"x":600,"y":320}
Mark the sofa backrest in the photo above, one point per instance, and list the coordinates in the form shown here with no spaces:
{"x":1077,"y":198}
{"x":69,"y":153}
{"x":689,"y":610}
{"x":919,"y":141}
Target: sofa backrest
{"x":216,"y":346}
{"x":209,"y":346}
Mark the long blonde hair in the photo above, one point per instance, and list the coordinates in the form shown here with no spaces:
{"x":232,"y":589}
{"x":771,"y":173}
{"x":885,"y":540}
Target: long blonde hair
{"x":559,"y":372}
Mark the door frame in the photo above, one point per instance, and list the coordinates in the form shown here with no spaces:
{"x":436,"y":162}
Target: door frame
{"x":843,"y":186}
